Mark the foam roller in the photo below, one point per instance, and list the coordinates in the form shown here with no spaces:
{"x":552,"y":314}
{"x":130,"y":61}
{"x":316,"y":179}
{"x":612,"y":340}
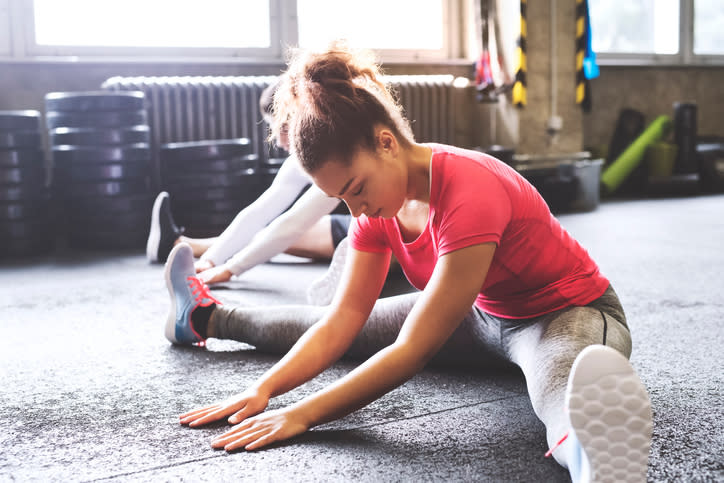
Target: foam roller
{"x":618,"y":171}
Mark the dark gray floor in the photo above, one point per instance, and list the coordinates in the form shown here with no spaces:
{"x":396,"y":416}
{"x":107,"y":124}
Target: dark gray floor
{"x":91,"y":389}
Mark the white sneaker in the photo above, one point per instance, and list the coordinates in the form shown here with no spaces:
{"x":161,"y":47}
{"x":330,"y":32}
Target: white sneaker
{"x":322,"y":290}
{"x":610,"y":414}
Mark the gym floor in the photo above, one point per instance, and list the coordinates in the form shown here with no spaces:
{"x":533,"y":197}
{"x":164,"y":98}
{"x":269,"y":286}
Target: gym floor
{"x":91,"y":389}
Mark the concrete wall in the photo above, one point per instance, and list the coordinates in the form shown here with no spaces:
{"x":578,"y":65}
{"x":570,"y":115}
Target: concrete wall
{"x":653,"y":91}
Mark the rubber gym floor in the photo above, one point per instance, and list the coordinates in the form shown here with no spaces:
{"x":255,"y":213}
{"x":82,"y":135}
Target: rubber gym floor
{"x":91,"y":389}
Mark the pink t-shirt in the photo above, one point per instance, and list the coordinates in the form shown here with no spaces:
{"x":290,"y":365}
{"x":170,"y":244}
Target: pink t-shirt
{"x":474,"y":198}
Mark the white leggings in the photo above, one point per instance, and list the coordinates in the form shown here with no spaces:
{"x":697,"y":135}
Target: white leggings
{"x":543,"y":347}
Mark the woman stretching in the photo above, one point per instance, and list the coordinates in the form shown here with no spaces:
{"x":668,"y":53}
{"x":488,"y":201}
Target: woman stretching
{"x":285,"y":218}
{"x":499,"y":279}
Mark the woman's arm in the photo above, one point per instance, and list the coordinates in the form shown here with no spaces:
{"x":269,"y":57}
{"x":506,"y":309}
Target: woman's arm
{"x":317,"y":349}
{"x":283,"y":231}
{"x":451,"y":291}
{"x":287,"y":184}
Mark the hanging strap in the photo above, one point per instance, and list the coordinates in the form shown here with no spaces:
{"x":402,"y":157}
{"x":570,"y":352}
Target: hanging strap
{"x":520,"y":86}
{"x":583,"y":94}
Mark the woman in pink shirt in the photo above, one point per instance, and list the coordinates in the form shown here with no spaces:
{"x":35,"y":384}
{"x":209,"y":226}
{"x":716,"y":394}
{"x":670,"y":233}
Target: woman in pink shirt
{"x":500,"y":281}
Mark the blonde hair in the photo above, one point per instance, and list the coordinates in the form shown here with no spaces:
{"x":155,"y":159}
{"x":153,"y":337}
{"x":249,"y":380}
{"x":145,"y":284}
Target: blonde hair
{"x":332,"y":101}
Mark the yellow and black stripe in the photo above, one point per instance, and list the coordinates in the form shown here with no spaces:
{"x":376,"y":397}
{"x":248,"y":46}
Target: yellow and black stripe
{"x":583,"y":89}
{"x":520,"y":86}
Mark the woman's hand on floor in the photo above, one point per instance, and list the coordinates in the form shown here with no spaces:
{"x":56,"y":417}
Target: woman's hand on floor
{"x":215,"y":275}
{"x":238,"y":407}
{"x":262,"y":430}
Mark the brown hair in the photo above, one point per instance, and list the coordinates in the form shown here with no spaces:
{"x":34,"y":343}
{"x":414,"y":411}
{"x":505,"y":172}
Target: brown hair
{"x":332,"y":101}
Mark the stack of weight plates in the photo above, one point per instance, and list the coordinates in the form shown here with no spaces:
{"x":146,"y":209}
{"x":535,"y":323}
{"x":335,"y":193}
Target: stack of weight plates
{"x":102,"y":166}
{"x":24,"y":220}
{"x":209,"y":182}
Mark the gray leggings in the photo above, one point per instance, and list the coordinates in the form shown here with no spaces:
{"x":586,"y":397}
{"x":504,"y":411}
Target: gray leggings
{"x":543,"y":347}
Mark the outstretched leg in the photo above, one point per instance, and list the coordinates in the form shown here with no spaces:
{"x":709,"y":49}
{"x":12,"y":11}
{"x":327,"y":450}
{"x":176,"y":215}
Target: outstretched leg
{"x":546,"y":351}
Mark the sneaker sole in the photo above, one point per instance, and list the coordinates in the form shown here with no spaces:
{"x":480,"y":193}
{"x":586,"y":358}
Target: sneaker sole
{"x":154,"y":234}
{"x":610,"y":413}
{"x":170,"y":329}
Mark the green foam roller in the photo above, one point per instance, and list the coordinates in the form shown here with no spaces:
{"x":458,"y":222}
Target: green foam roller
{"x":618,"y":171}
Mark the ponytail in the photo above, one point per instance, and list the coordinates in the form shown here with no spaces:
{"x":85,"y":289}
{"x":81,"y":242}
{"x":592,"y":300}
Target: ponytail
{"x":331,"y":102}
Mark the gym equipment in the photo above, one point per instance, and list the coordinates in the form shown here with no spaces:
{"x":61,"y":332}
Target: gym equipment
{"x":685,"y":137}
{"x":13,"y":158}
{"x":568,"y":182}
{"x":710,"y":154}
{"x":27,"y":120}
{"x":99,"y":137}
{"x":24,"y":201}
{"x":19,"y":139}
{"x":102,"y":119}
{"x":626,"y":162}
{"x":95,"y":101}
{"x":209,"y":182}
{"x":102,"y":166}
{"x":205,"y":150}
{"x":101,"y":154}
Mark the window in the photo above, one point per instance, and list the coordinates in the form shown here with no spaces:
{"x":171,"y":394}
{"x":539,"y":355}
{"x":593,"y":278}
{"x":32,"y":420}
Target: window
{"x":4,"y":27}
{"x":373,"y":24}
{"x":657,"y":31}
{"x":97,"y":27}
{"x":635,"y":27}
{"x":708,"y":31}
{"x":156,"y":23}
{"x":214,"y":29}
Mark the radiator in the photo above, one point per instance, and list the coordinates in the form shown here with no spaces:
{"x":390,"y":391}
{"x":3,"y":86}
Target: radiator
{"x":216,"y":107}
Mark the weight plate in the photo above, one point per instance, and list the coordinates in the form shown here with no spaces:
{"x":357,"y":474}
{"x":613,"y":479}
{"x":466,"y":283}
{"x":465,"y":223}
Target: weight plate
{"x":209,"y":149}
{"x":207,"y":194}
{"x":13,"y":158}
{"x":22,"y":192}
{"x":101,"y":154}
{"x":20,"y":120}
{"x":106,"y":188}
{"x":112,"y":240}
{"x":238,"y":179}
{"x":28,"y":175}
{"x":20,"y":139}
{"x":247,"y":162}
{"x":75,"y":172}
{"x":111,"y":205}
{"x":86,"y":136}
{"x":23,"y":228}
{"x":21,"y":210}
{"x":94,"y":101}
{"x":103,"y":119}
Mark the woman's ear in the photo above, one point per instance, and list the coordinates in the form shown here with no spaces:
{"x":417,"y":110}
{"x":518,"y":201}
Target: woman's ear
{"x":387,"y":141}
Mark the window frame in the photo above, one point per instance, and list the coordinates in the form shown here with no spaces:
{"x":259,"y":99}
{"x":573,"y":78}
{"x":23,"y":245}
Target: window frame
{"x":685,"y":56}
{"x":19,"y":40}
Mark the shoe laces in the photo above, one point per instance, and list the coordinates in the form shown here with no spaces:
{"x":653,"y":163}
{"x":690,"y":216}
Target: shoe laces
{"x":555,"y":446}
{"x":201,"y":292}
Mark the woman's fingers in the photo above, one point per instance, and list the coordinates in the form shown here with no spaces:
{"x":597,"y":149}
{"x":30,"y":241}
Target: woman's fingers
{"x":197,"y":411}
{"x":206,"y":415}
{"x":261,"y":442}
{"x":240,"y":439}
{"x":193,"y":416}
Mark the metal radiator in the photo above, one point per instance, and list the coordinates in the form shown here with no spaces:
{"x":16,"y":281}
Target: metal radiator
{"x":201,"y":108}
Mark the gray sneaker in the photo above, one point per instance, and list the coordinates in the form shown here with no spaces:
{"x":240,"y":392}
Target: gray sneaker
{"x":163,"y":232}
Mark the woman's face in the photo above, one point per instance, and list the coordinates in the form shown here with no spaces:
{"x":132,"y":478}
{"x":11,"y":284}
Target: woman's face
{"x":373,"y":184}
